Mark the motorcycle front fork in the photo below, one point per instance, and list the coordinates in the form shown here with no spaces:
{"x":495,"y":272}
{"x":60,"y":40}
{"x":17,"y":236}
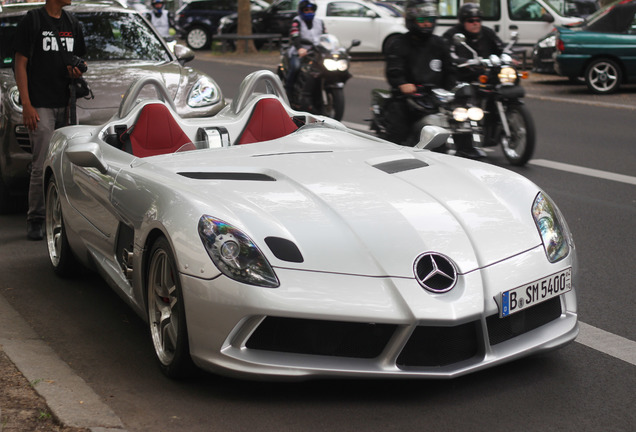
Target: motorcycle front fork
{"x":502,"y":116}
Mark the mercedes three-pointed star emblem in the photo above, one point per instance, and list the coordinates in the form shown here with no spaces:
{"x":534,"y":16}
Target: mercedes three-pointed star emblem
{"x":435,"y":272}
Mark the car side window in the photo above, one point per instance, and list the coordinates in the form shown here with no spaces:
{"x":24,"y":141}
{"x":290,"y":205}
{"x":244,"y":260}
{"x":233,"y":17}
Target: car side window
{"x":491,"y":9}
{"x":524,"y":10}
{"x":346,"y":9}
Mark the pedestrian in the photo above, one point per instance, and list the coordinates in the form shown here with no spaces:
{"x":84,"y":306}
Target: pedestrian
{"x":49,"y":44}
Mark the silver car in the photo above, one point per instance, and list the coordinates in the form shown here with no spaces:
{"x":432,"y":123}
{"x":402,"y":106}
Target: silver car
{"x":121,"y":46}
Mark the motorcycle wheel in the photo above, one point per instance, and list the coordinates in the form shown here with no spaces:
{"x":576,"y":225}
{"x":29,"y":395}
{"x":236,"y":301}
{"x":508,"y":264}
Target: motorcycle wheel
{"x":518,"y":149}
{"x":334,"y":103}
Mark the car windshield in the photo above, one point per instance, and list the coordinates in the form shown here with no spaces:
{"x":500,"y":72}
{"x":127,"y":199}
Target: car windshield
{"x":108,"y":36}
{"x":120,"y":36}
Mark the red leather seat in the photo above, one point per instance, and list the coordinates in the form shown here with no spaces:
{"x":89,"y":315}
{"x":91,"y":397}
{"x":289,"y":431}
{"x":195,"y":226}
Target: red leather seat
{"x":268,"y":121}
{"x":156,"y":132}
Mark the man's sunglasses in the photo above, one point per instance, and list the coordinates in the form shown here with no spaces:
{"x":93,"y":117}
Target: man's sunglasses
{"x":473,"y":20}
{"x":426,"y":19}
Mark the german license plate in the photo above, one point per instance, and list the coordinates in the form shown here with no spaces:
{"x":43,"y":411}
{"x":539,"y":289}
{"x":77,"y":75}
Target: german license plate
{"x":530,"y":294}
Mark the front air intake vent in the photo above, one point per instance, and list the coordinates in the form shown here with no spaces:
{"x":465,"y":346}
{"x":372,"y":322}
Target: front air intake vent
{"x":284,"y":250}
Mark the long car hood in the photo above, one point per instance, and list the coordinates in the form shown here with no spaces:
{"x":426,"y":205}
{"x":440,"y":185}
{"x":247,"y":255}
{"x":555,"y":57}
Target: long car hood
{"x":360,"y":208}
{"x":110,"y":80}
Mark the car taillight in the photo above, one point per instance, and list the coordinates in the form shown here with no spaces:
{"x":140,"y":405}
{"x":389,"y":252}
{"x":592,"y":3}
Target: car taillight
{"x":560,"y":46}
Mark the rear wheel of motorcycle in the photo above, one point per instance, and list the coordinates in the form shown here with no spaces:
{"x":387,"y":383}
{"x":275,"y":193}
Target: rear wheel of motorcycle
{"x":334,"y":104}
{"x":519,"y":147}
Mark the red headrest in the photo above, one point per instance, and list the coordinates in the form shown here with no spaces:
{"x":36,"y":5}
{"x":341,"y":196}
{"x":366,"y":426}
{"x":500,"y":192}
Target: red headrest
{"x":268,"y":121}
{"x":156,"y":132}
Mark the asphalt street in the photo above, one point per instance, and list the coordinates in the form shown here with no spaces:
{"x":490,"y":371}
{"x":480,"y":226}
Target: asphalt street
{"x":74,"y":401}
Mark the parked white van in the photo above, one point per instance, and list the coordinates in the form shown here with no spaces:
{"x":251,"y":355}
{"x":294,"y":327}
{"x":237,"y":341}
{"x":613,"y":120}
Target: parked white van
{"x":533,"y":19}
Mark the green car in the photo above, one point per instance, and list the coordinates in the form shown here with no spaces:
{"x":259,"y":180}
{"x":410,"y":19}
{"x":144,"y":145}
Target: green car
{"x":602,"y":50}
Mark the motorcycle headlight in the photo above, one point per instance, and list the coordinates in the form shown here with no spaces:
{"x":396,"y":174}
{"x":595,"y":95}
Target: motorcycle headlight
{"x":475,"y":113}
{"x":336,"y":65}
{"x":460,"y":114}
{"x":552,"y":228}
{"x":203,"y":93}
{"x":14,"y":99}
{"x":235,"y":254}
{"x":507,"y":75}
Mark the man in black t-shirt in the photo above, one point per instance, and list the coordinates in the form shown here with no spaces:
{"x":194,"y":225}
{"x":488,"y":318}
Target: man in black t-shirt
{"x":46,"y":40}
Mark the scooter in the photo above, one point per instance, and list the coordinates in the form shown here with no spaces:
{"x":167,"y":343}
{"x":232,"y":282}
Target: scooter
{"x":319,"y":84}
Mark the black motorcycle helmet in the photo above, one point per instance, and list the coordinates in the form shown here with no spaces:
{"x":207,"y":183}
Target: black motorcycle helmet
{"x":469,"y":10}
{"x":418,"y":11}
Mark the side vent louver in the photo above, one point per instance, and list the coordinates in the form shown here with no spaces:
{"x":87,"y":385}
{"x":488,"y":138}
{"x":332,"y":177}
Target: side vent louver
{"x":284,"y":250}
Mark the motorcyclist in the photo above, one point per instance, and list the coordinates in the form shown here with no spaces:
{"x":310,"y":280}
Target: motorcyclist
{"x":161,"y":19}
{"x":482,"y":39}
{"x":417,"y":57}
{"x":305,"y":27}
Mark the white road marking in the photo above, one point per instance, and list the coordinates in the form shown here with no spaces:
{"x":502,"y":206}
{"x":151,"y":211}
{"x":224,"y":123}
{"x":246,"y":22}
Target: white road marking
{"x":607,"y":343}
{"x":584,"y":171}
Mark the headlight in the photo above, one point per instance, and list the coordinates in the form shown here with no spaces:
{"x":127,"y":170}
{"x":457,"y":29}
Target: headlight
{"x":460,"y":114}
{"x":235,"y":254}
{"x":552,"y":228}
{"x":475,"y":114}
{"x":336,"y":65}
{"x":507,"y":75}
{"x":14,"y":99}
{"x":549,"y":42}
{"x":203,"y":93}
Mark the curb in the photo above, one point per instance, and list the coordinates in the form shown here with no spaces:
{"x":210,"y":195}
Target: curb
{"x":68,"y":396}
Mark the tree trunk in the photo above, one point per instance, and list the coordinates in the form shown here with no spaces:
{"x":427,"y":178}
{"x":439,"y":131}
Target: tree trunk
{"x":244,"y":27}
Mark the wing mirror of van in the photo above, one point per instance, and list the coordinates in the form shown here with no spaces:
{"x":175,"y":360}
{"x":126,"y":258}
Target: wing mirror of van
{"x":547,"y":18}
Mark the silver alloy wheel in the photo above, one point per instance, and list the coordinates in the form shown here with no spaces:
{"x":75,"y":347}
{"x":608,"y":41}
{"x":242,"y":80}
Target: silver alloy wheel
{"x":603,"y":76}
{"x":54,"y":224}
{"x":197,"y":38}
{"x":162,"y":306}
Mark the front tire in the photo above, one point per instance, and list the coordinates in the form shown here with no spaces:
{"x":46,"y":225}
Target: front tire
{"x":166,"y":312}
{"x":603,"y":76}
{"x":60,"y":254}
{"x":334,"y":104}
{"x":519,"y":147}
{"x":198,"y":38}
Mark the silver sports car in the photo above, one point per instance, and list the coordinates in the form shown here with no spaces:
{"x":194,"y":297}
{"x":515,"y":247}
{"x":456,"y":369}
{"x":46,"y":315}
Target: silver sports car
{"x":269,"y":242}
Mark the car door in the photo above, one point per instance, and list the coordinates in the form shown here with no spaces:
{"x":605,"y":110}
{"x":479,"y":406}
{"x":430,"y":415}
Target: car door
{"x":89,"y":193}
{"x":348,"y":20}
{"x":277,"y":19}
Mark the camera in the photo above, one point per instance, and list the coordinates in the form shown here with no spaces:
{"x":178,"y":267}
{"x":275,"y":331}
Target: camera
{"x":79,"y":63}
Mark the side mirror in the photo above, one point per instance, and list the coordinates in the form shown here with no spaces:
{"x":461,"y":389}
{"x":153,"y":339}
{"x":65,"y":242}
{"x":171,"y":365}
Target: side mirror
{"x":432,"y":137}
{"x":183,"y":53}
{"x":87,"y":155}
{"x":459,"y":38}
{"x":371,"y":14}
{"x":355,"y":43}
{"x":547,"y":18}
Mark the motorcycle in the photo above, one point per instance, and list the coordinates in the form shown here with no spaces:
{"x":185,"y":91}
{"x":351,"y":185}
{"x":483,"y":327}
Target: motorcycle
{"x":452,"y":110}
{"x":319,"y":84}
{"x":507,"y":121}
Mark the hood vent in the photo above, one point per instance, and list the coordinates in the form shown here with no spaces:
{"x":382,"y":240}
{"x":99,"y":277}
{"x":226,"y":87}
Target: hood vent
{"x":397,"y":166}
{"x":284,"y":250}
{"x":227,"y":176}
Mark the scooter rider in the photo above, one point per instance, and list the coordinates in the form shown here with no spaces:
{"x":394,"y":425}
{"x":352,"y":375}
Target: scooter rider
{"x":305,"y":26}
{"x":415,"y":58}
{"x":482,"y":39}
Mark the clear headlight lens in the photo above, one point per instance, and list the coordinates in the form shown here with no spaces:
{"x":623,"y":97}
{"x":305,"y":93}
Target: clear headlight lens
{"x":549,"y":42}
{"x":235,"y":254}
{"x":460,"y":114}
{"x":507,"y":75}
{"x":552,"y":228}
{"x":14,"y":99}
{"x":336,"y":65}
{"x":475,"y":113}
{"x":203,"y":93}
